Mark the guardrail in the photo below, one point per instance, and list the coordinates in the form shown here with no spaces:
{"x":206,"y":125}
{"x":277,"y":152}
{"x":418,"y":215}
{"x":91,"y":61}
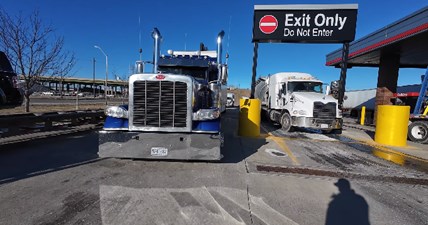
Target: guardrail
{"x":23,"y":126}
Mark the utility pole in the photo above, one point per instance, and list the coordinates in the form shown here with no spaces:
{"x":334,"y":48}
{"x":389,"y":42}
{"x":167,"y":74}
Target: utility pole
{"x":93,"y":81}
{"x":105,"y":82}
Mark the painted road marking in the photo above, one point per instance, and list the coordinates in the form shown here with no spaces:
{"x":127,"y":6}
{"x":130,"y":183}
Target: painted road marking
{"x":199,"y":205}
{"x":284,"y":147}
{"x":281,"y":143}
{"x":318,"y":138}
{"x":386,"y":149}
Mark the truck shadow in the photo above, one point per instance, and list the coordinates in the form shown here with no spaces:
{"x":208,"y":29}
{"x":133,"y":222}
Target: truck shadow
{"x":237,"y":148}
{"x":23,"y":160}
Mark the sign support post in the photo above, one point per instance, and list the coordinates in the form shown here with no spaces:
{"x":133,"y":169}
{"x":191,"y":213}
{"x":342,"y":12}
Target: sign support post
{"x":253,"y":78}
{"x":343,"y":69}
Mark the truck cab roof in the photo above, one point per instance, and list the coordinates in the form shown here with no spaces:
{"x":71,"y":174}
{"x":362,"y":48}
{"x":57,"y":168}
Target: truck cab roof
{"x":292,"y":77}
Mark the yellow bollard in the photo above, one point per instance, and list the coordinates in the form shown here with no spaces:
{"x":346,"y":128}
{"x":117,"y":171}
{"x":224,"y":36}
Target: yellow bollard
{"x":391,"y":125}
{"x":395,"y":158}
{"x":363,"y":115}
{"x":249,"y":117}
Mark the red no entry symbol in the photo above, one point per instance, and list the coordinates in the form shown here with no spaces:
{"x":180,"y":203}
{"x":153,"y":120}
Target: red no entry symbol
{"x":268,"y":24}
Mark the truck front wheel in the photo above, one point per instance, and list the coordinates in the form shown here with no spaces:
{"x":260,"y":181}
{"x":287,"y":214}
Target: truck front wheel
{"x":286,"y":122}
{"x":418,"y":131}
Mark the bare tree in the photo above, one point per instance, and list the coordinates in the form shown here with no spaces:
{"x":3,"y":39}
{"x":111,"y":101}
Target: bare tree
{"x":33,"y":49}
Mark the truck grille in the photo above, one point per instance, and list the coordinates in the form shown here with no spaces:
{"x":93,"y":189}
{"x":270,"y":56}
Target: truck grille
{"x":322,"y":110}
{"x":160,"y":104}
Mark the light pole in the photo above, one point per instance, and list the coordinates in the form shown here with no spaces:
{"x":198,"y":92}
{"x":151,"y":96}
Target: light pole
{"x":105,"y":82}
{"x":93,"y":80}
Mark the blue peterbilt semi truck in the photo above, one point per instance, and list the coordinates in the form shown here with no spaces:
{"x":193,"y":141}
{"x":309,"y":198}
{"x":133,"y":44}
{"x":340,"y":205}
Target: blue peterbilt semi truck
{"x":173,"y":112}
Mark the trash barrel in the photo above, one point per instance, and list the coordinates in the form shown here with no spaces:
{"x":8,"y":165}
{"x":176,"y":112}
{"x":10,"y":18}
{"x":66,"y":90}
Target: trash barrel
{"x":249,"y":117}
{"x":391,"y":125}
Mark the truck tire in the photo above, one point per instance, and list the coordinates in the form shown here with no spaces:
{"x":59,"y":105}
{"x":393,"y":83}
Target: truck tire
{"x":286,"y":122}
{"x":264,"y":114}
{"x":271,"y":115}
{"x":418,"y":131}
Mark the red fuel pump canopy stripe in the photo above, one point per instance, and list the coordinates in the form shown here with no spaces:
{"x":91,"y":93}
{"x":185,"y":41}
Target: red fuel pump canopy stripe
{"x":405,"y":34}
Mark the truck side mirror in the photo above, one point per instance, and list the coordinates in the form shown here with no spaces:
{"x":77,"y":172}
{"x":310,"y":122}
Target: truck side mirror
{"x":334,"y":89}
{"x":224,"y":74}
{"x":327,"y":90}
{"x":334,"y":85}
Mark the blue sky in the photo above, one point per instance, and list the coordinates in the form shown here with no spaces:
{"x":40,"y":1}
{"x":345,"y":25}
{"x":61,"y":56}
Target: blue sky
{"x":115,"y":27}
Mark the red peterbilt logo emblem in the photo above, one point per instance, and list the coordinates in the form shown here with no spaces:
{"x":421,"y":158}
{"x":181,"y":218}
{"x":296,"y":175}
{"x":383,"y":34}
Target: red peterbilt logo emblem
{"x":160,"y":77}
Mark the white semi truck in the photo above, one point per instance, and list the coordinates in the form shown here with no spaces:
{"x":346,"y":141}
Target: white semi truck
{"x":295,"y":99}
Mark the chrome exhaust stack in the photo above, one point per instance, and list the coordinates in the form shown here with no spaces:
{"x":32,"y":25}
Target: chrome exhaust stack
{"x":156,"y":51}
{"x":219,"y":52}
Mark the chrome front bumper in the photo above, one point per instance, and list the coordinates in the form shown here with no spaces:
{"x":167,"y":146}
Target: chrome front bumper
{"x":179,"y":146}
{"x":317,"y":123}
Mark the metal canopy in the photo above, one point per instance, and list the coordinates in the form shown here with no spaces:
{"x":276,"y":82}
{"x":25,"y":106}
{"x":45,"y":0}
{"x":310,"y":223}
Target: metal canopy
{"x":407,"y":38}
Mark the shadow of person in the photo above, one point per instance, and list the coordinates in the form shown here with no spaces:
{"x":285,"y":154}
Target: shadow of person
{"x":347,"y":207}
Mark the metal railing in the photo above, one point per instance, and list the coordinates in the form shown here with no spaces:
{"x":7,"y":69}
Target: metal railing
{"x":50,"y":124}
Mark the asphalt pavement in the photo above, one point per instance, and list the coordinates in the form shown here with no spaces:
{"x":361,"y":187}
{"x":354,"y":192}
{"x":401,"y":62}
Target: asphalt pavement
{"x":303,"y":177}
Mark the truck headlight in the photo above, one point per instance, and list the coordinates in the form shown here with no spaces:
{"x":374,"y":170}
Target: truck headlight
{"x":300,"y":112}
{"x":206,"y":114}
{"x":116,"y":111}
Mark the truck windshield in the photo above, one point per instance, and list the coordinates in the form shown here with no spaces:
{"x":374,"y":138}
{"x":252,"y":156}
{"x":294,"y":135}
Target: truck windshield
{"x":305,"y":87}
{"x":196,"y":72}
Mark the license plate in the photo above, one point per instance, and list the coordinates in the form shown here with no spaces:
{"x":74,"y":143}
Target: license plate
{"x":324,"y":125}
{"x":159,"y":151}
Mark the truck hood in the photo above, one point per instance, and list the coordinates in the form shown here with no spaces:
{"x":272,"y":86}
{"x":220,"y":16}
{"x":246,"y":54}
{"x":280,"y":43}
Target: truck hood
{"x":307,"y":97}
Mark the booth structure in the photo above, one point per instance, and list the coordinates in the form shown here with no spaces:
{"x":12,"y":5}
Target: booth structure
{"x":402,"y":44}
